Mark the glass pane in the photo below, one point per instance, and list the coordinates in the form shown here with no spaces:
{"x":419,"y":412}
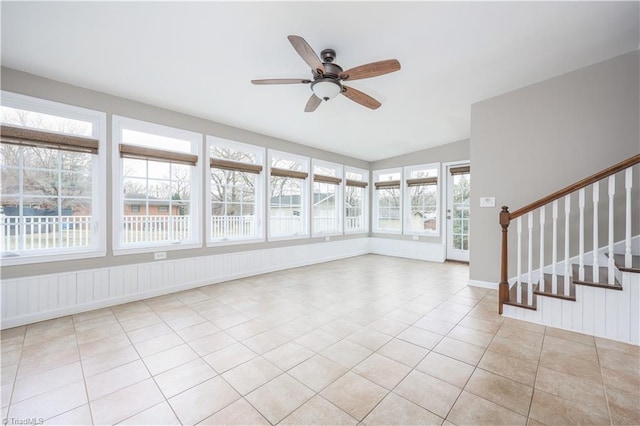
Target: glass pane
{"x":78,"y":184}
{"x":424,"y":173}
{"x":135,"y":188}
{"x":326,"y":171}
{"x":232,"y":154}
{"x":155,"y":141}
{"x":181,"y":190}
{"x":40,"y":158}
{"x":76,"y":161}
{"x":159,"y":189}
{"x":38,"y":120}
{"x":134,"y":168}
{"x":38,"y":182}
{"x":281,"y":163}
{"x":159,"y":170}
{"x":10,"y":180}
{"x":388,"y":176}
{"x":286,"y":206}
{"x":355,"y":176}
{"x":9,"y":155}
{"x":218,"y":209}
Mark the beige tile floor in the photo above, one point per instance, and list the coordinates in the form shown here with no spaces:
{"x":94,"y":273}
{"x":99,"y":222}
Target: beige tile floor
{"x":368,"y":340}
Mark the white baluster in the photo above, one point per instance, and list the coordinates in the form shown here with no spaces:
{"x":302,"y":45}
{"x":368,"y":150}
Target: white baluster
{"x":542,"y":219}
{"x":611,"y":264}
{"x":554,"y":249}
{"x":519,"y":260}
{"x":596,"y":199}
{"x":530,"y":260}
{"x":627,"y":239}
{"x":567,"y":266}
{"x":581,"y":230}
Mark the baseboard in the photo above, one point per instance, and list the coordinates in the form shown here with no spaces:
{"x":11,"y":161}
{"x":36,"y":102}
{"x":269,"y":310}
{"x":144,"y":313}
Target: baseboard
{"x":483,"y":284}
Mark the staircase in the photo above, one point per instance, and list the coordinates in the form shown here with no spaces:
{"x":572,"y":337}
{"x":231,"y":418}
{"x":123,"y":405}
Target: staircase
{"x":595,"y":292}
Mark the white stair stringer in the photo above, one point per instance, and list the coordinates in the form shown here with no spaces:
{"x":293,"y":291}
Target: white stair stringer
{"x":601,"y":312}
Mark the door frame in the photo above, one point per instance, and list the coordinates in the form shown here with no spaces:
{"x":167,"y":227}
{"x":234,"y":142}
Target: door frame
{"x":445,"y":205}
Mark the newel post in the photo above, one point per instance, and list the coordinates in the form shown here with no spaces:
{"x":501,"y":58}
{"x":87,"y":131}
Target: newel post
{"x":503,"y":288}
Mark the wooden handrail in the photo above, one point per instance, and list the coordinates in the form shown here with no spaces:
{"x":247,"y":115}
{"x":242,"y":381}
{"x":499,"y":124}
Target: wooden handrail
{"x":506,"y":217}
{"x":631,"y":161}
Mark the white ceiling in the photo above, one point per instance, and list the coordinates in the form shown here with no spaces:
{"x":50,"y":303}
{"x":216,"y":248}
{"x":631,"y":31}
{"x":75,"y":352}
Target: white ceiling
{"x":198,"y":58}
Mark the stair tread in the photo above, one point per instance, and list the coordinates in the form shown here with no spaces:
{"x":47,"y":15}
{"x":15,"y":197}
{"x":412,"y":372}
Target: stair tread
{"x":603,"y":281}
{"x":513,"y":297}
{"x":561,"y":282}
{"x":635,"y":263}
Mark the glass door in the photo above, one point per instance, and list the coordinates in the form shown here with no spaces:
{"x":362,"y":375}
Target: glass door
{"x":458,"y":197}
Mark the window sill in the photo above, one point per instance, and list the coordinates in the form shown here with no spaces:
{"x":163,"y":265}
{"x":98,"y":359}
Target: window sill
{"x":236,"y":241}
{"x":288,"y":237}
{"x":59,"y":257}
{"x":121,"y":251}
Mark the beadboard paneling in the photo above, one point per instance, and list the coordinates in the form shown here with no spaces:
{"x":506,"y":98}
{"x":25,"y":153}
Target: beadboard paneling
{"x":31,"y":299}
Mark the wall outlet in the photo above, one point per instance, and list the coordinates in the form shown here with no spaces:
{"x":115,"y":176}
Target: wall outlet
{"x":327,"y":239}
{"x":487,"y":201}
{"x":160,"y":255}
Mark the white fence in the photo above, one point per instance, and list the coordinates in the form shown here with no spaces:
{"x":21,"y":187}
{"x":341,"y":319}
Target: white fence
{"x":156,"y":228}
{"x":44,"y":232}
{"x":50,"y":232}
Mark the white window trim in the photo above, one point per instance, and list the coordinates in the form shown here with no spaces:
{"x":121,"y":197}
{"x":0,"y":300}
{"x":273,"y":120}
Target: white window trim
{"x":260,"y":153}
{"x":407,"y":197}
{"x":120,"y":123}
{"x":304,"y":202}
{"x":99,"y":179}
{"x":339,"y":208}
{"x":365,"y":200}
{"x":375,"y":215}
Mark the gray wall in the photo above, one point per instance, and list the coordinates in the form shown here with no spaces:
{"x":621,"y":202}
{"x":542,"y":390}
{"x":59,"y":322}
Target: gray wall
{"x":31,"y":85}
{"x":455,"y":151}
{"x":533,"y":141}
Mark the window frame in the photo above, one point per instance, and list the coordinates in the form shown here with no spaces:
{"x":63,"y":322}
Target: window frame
{"x":376,"y":203}
{"x":339,"y":212}
{"x":365,"y":200}
{"x":260,"y":191}
{"x":98,"y":120}
{"x":407,"y":170}
{"x":304,"y":196}
{"x":120,"y":123}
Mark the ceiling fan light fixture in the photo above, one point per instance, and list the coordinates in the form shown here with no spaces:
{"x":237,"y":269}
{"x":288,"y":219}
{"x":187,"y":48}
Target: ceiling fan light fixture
{"x":326,"y":89}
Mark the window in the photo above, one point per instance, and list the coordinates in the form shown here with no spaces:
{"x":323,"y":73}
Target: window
{"x":158,"y":173}
{"x":236,"y":191}
{"x":387,"y":207}
{"x":327,"y":196}
{"x":52,"y":166}
{"x":422,"y":199}
{"x":288,"y":197}
{"x":355,"y":200}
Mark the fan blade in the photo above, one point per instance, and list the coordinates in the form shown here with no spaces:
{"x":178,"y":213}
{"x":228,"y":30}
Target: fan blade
{"x":373,"y":69}
{"x":312,"y":103}
{"x":282,"y":81}
{"x":361,"y":98}
{"x":306,"y":52}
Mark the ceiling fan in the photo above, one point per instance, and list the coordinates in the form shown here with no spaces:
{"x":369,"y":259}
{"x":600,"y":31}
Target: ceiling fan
{"x":328,"y":77}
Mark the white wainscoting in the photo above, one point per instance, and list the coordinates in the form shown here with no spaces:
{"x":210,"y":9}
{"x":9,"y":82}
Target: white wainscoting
{"x":407,"y":248}
{"x":599,"y":312}
{"x":37,"y":298}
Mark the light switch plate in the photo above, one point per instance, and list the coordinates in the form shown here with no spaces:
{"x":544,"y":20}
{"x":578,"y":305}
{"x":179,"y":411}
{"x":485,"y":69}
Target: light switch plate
{"x":487,"y":201}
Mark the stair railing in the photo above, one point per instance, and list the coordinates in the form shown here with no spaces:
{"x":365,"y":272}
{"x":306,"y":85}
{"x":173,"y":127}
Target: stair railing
{"x":507,"y":217}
